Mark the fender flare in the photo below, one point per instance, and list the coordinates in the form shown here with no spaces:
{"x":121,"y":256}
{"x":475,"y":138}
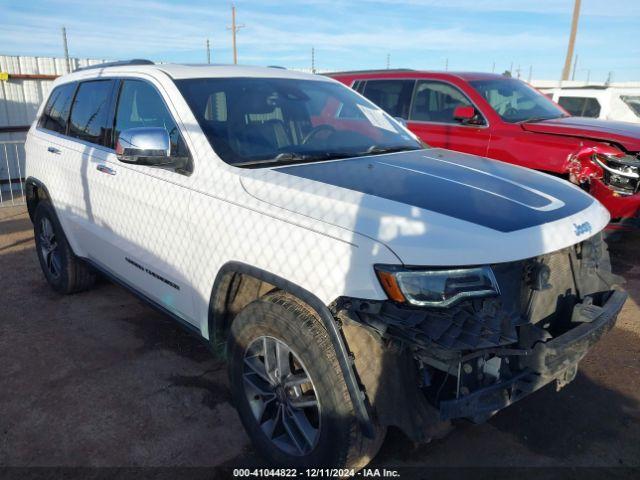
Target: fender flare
{"x":30,"y":196}
{"x":331,"y":326}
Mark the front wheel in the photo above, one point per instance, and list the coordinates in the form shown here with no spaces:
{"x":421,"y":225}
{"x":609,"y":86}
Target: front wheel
{"x":289,"y":391}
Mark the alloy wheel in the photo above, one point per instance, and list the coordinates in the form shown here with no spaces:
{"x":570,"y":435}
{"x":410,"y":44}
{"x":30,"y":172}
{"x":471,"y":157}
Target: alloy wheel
{"x":49,"y":248}
{"x":281,"y":395}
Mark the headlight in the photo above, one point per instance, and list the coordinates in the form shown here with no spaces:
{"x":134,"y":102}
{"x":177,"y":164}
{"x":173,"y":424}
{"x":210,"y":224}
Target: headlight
{"x":436,"y":288}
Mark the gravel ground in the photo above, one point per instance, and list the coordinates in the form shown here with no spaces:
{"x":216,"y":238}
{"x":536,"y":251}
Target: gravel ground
{"x":100,"y":379}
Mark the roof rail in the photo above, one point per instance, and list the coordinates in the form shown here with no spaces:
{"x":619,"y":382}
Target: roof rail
{"x":135,"y":61}
{"x":387,"y":70}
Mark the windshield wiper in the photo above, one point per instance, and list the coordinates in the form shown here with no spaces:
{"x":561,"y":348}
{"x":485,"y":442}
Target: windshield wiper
{"x":539,"y":119}
{"x":292,"y":157}
{"x":378,"y":150}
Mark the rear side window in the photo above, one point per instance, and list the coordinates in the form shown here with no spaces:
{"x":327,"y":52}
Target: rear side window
{"x":140,"y":105}
{"x":580,"y":106}
{"x":393,"y":96}
{"x":56,"y":112}
{"x":90,"y":112}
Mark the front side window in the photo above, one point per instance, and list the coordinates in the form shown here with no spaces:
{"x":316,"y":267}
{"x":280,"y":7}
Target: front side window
{"x":581,"y":106}
{"x":633,"y":102}
{"x":436,"y":101}
{"x":89,"y":119}
{"x":56,"y":112}
{"x":140,"y":105}
{"x":393,"y":96}
{"x":261,"y":121}
{"x":515,"y":101}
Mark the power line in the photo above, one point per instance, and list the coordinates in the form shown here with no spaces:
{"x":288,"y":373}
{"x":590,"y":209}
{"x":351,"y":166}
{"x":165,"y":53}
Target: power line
{"x":208,"y":52}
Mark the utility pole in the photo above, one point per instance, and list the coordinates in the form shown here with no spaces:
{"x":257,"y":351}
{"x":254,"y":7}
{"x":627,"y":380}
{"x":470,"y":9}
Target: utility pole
{"x":313,"y":60}
{"x":208,"y":52}
{"x":66,"y":49}
{"x":608,"y":80}
{"x":234,"y":29}
{"x":530,"y":73}
{"x":575,"y":65}
{"x":518,"y":71}
{"x":572,"y":40}
{"x":388,"y":61}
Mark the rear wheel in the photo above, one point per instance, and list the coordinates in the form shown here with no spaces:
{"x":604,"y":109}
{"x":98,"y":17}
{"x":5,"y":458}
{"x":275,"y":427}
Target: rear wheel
{"x":65,"y":272}
{"x":289,"y":389}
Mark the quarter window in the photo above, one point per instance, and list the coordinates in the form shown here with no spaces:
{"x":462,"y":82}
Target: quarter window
{"x":90,"y":112}
{"x":393,"y":96}
{"x":580,"y":106}
{"x":56,"y":112}
{"x":140,"y":105}
{"x":436,"y":101}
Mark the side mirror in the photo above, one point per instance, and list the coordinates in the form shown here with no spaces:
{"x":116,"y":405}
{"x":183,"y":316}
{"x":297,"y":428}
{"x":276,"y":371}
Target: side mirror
{"x":464,"y":114}
{"x":144,"y":146}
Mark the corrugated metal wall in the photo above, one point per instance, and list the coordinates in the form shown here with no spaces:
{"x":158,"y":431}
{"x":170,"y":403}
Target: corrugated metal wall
{"x":19,"y":102}
{"x":20,"y":99}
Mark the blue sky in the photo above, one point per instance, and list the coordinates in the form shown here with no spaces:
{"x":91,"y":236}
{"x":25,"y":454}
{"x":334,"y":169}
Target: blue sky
{"x":471,"y":34}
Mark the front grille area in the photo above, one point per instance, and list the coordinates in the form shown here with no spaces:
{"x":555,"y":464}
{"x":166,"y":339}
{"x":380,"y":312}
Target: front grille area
{"x":527,"y":297}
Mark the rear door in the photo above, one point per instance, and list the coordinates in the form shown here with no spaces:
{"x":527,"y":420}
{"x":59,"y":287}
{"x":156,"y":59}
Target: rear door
{"x":431,"y":118}
{"x":392,"y":95}
{"x":58,"y":164}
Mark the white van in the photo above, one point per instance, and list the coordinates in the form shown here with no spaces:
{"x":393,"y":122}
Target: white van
{"x":606,"y":103}
{"x":357,"y":279}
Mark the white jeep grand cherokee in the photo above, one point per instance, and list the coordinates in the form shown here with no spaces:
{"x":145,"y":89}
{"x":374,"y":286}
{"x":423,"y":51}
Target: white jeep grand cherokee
{"x":358,"y":279}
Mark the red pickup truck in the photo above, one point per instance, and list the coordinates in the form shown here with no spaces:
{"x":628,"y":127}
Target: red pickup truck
{"x":506,"y":119}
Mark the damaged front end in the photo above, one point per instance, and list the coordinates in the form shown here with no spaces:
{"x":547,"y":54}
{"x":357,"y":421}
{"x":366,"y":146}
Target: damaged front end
{"x":610,"y":175}
{"x":424,"y":365}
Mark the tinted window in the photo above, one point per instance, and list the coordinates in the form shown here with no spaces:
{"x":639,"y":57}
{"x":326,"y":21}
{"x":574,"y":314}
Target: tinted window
{"x":393,"y":96}
{"x":580,"y":106}
{"x":633,"y":102}
{"x":140,"y":105}
{"x":515,"y":101}
{"x":90,"y":112}
{"x":261,"y":121}
{"x":55,"y":114}
{"x":436,"y":101}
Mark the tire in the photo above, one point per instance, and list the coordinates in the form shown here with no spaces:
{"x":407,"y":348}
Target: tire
{"x":335,"y":439}
{"x":63,"y":270}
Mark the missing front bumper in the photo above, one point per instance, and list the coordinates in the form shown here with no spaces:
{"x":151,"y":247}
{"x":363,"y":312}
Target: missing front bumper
{"x":556,"y":359}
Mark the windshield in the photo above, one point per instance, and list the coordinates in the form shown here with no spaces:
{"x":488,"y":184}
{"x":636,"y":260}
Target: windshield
{"x":633,"y":102}
{"x":515,"y":101}
{"x":266,"y":121}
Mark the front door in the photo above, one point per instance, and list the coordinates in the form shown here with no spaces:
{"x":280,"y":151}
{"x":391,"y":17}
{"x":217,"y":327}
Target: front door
{"x":431,"y":118}
{"x":144,"y":209}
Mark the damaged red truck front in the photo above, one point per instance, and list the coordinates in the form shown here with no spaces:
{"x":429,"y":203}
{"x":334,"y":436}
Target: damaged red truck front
{"x":505,"y":119}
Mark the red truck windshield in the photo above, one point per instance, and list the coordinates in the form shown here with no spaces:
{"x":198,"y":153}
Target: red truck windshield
{"x":515,"y":101}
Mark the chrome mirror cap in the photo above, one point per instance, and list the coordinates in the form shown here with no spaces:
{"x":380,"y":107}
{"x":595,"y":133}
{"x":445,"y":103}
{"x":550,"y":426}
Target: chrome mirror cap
{"x":145,"y":145}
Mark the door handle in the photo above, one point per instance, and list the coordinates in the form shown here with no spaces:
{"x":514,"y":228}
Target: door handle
{"x":105,"y":169}
{"x":53,"y":150}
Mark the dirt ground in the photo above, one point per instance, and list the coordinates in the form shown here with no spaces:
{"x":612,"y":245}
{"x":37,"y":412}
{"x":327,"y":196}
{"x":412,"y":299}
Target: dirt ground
{"x":100,"y":379}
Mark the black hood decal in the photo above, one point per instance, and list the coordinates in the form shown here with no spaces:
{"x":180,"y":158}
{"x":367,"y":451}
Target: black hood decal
{"x":474,"y":189}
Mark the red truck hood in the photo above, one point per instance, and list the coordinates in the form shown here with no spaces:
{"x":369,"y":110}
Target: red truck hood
{"x":623,"y":133}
